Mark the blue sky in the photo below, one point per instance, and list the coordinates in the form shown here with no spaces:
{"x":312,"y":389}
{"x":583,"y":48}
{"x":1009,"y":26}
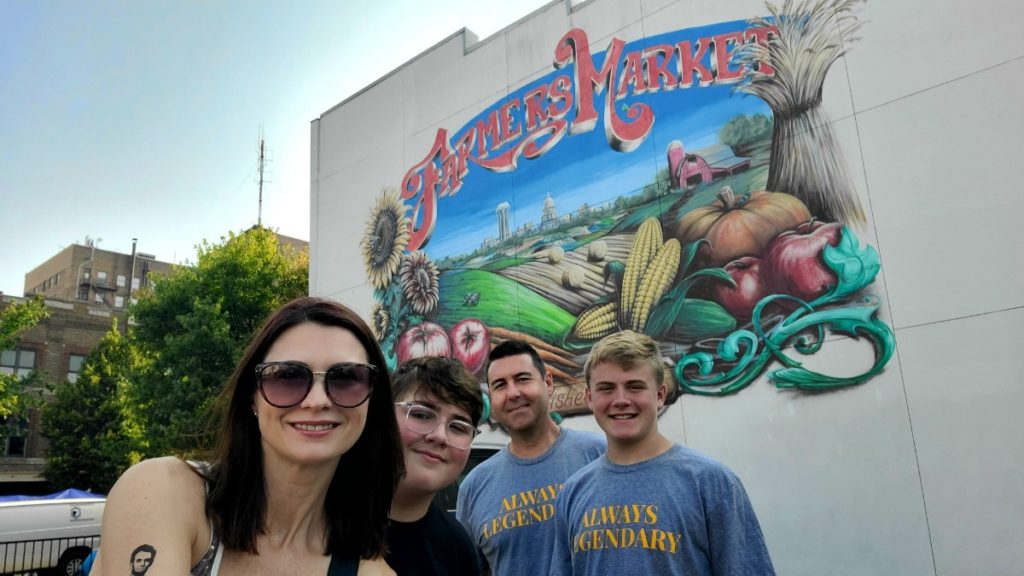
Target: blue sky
{"x":124,"y":119}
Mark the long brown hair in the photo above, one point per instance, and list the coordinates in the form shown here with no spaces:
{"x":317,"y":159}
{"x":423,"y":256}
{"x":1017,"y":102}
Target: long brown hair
{"x":359,"y":496}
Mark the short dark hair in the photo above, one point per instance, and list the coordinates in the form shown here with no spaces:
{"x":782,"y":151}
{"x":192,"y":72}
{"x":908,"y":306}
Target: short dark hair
{"x":443,"y":377}
{"x":515,"y":348}
{"x":359,"y":496}
{"x":144,"y":548}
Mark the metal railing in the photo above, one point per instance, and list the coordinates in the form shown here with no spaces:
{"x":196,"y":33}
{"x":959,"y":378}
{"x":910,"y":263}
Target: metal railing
{"x":27,"y":556}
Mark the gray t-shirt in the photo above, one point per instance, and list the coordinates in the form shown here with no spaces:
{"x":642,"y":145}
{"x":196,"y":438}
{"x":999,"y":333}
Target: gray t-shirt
{"x":679,"y":513}
{"x":507,"y":503}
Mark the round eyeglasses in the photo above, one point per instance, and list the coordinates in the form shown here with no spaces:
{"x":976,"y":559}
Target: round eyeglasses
{"x":423,"y":420}
{"x":286,"y":384}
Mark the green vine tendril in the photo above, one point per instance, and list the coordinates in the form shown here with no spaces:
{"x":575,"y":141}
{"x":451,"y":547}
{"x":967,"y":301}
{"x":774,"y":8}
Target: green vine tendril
{"x":748,"y":352}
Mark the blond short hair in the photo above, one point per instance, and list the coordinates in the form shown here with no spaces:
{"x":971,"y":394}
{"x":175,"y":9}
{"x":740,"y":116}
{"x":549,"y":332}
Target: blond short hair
{"x":627,"y":349}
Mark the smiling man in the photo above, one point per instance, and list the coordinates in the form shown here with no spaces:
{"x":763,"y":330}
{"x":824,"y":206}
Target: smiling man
{"x":507,"y":502}
{"x":437,"y":406}
{"x":649,"y":506}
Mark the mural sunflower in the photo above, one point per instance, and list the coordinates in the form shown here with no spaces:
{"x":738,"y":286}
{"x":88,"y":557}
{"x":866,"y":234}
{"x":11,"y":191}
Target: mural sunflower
{"x":419,"y":277}
{"x":386,"y":236}
{"x":379,"y":320}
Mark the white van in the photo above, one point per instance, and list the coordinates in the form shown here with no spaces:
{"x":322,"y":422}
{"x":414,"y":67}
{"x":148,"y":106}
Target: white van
{"x":50,"y":535}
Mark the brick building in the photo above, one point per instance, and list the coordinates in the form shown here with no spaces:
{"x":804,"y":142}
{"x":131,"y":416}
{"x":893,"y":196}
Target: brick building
{"x":85,"y":289}
{"x":86,"y":273}
{"x":55,"y":347}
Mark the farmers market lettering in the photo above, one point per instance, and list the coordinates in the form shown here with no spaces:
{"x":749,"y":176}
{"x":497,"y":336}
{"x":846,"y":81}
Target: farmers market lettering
{"x":531,"y":122}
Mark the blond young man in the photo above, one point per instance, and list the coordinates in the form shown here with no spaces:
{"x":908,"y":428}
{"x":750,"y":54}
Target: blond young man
{"x":649,"y":506}
{"x":437,"y":405}
{"x":507,"y":502}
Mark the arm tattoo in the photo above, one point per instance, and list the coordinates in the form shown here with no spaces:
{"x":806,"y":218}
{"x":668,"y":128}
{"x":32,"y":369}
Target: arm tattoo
{"x":142,"y":559}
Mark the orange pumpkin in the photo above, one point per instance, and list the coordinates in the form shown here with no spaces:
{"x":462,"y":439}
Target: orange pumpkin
{"x":735,"y":228}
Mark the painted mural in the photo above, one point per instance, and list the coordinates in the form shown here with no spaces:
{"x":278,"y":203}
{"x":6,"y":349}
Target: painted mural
{"x":687,"y":185}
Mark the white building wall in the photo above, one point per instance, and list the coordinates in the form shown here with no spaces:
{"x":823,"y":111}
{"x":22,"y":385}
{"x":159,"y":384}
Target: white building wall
{"x":916,"y":472}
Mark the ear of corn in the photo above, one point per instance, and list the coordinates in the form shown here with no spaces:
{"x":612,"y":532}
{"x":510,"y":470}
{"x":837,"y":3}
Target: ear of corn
{"x":656,"y":280}
{"x":646,"y":244}
{"x":597,"y":322}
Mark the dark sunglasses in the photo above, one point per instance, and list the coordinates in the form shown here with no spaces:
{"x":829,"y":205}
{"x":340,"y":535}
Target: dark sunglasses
{"x":286,"y":384}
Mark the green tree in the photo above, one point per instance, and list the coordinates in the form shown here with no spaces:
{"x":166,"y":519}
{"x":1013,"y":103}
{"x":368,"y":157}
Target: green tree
{"x":92,"y":423}
{"x":743,"y":131}
{"x":14,"y":402}
{"x":196,"y":321}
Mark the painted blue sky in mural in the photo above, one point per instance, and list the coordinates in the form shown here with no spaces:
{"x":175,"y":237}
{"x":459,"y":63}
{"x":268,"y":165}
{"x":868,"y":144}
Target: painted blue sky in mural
{"x":583,"y":168}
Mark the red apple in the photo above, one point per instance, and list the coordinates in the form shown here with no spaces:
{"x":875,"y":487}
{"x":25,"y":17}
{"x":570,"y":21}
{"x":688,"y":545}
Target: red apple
{"x":470,"y":343}
{"x":749,"y":290}
{"x":792,"y":262}
{"x":424,"y":339}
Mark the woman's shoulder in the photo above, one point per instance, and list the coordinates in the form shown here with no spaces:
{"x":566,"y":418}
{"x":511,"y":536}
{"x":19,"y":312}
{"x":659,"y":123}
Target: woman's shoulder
{"x":159,"y":504}
{"x":166,"y":473}
{"x":166,"y":484}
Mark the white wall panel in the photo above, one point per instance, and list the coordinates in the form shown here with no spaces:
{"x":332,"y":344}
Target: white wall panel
{"x":357,"y":130}
{"x":358,"y":298}
{"x":531,"y":42}
{"x":345,"y":200}
{"x":602,"y":19}
{"x":662,"y":16}
{"x":833,"y":477}
{"x":906,"y":46}
{"x":963,"y":381}
{"x":942,"y":176}
{"x":446,"y":79}
{"x":418,"y":143}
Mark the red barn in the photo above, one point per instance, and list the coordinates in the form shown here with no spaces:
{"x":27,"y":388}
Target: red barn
{"x":704,"y":165}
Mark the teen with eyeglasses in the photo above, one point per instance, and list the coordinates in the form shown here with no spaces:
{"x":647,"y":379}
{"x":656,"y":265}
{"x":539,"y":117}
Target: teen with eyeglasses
{"x":438,"y":404}
{"x":305,"y":468}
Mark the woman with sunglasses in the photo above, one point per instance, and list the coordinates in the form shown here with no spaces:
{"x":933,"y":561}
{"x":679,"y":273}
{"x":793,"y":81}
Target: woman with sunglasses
{"x":438,"y":406}
{"x":305,"y":467}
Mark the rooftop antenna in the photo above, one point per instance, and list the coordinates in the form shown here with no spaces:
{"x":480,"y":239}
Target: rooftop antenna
{"x":262,"y":162}
{"x":264,"y":159}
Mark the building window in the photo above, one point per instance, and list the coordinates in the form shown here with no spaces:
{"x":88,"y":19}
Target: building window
{"x":83,"y":292}
{"x":121,"y":280}
{"x":101,"y":276}
{"x":118,"y":301}
{"x":75,"y":362}
{"x":98,"y":297}
{"x":56,"y":278}
{"x":135,"y":283}
{"x":87,"y":273}
{"x":15,"y":444}
{"x":18,"y":362}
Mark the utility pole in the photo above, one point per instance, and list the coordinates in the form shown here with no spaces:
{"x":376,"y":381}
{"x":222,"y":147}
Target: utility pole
{"x":262,"y":163}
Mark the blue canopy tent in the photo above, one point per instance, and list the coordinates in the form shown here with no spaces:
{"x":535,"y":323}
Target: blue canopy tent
{"x":62,"y":495}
